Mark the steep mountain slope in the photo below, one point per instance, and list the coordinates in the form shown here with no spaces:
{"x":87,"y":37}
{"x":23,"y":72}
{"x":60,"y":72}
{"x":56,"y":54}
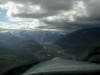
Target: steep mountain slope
{"x":79,"y":41}
{"x":8,"y":38}
{"x":18,"y":54}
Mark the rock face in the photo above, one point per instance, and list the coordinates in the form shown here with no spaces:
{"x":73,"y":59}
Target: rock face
{"x":62,"y":65}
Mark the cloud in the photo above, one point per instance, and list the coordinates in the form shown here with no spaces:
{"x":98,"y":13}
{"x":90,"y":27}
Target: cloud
{"x":93,"y":9}
{"x":78,"y":10}
{"x":58,"y":15}
{"x":21,"y":25}
{"x":35,"y":8}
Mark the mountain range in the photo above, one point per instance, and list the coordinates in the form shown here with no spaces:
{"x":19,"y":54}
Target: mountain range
{"x":39,"y":36}
{"x":80,"y":41}
{"x":28,"y":47}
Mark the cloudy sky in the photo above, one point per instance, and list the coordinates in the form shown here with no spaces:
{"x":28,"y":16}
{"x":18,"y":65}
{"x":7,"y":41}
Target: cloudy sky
{"x":53,"y":15}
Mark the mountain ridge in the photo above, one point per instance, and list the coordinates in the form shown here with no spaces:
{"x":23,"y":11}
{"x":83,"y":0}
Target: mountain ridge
{"x":80,"y":40}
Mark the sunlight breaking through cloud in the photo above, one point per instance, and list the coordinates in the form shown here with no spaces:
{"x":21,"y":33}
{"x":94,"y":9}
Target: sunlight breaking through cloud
{"x":50,"y":14}
{"x":21,"y":26}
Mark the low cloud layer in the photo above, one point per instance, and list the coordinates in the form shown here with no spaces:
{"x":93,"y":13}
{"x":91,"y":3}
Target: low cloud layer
{"x":59,"y":15}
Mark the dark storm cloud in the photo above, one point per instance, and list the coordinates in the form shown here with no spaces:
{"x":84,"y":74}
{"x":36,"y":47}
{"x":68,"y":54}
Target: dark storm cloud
{"x":63,"y":26}
{"x":52,"y":7}
{"x":70,"y":26}
{"x":48,"y":7}
{"x":93,"y":9}
{"x":48,"y":4}
{"x":34,"y":15}
{"x":74,"y":18}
